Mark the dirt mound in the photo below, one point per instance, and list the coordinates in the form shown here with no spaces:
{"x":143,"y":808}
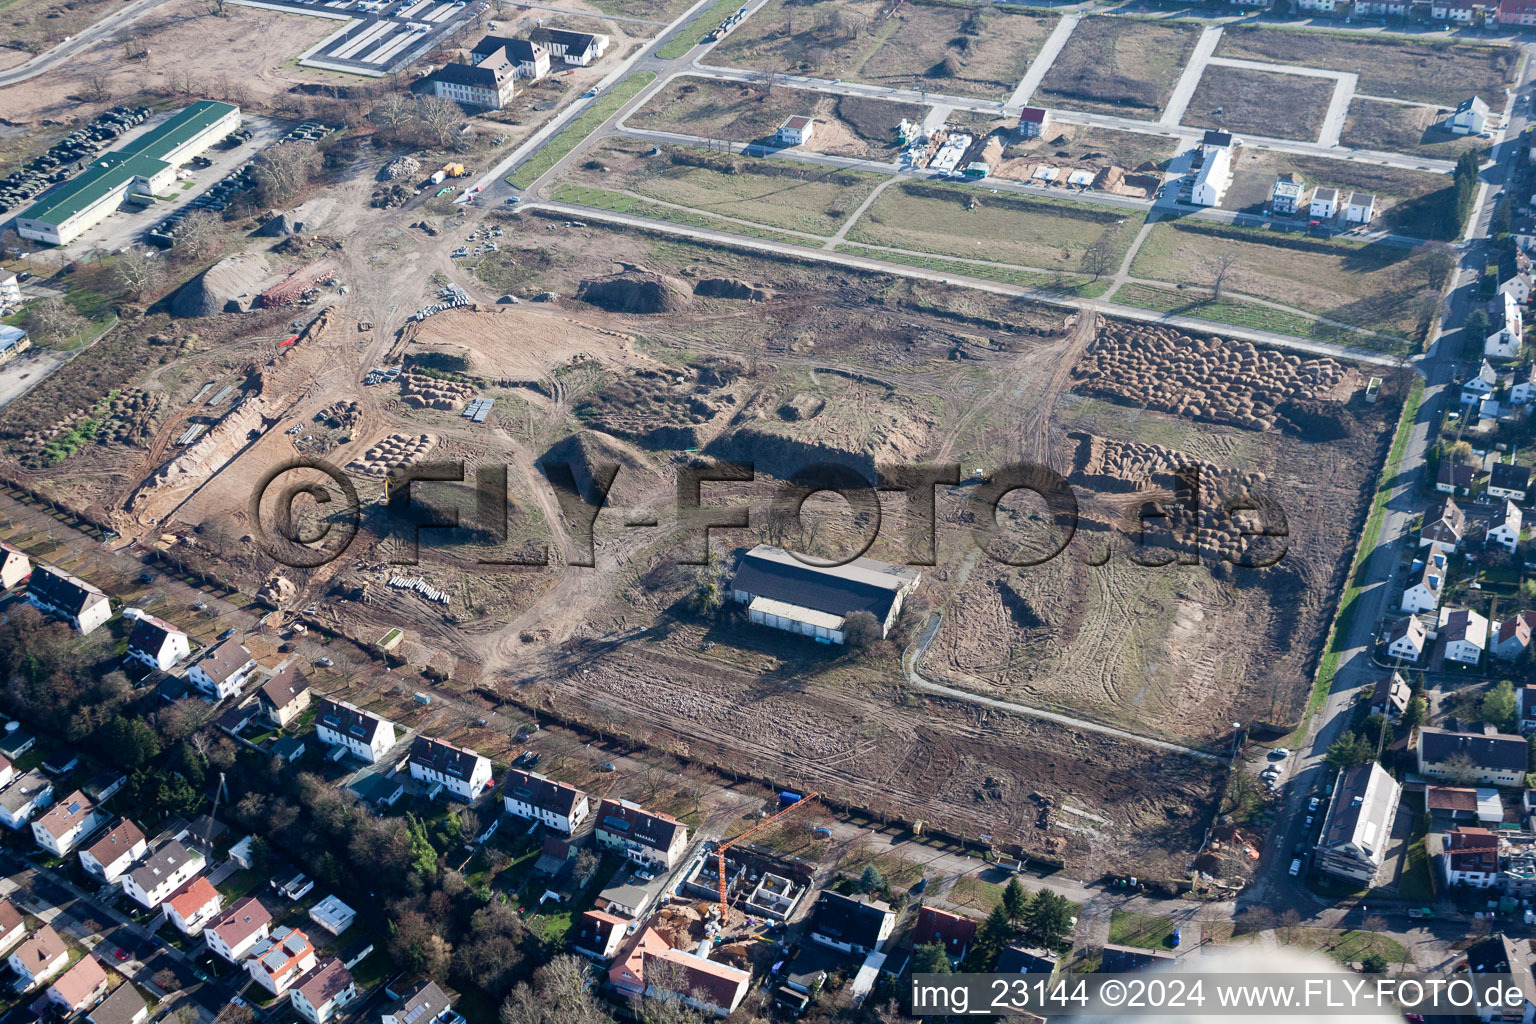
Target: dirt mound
{"x":636,"y":290}
{"x":399,"y":167}
{"x":307,"y":217}
{"x":585,"y":449}
{"x":229,"y":286}
{"x":801,"y":407}
{"x":651,"y":409}
{"x":1318,"y":420}
{"x":731,"y":288}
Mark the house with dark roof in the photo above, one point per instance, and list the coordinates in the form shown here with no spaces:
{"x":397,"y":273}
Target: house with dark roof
{"x":366,"y":735}
{"x":1117,"y":959}
{"x":1445,"y":524}
{"x":530,"y":795}
{"x":464,"y":773}
{"x":55,"y":592}
{"x":1033,"y":121}
{"x":1358,"y":827}
{"x":125,"y":1005}
{"x":1515,"y":274}
{"x":1028,"y":960}
{"x":1213,"y":140}
{"x":1391,"y":696}
{"x":425,"y":1003}
{"x":1511,"y":637}
{"x":29,"y":794}
{"x":579,"y":48}
{"x":1453,"y":805}
{"x":851,"y":924}
{"x":324,"y":992}
{"x":285,"y":696}
{"x":1464,"y":632}
{"x":781,"y":591}
{"x":223,"y":669}
{"x":531,"y":59}
{"x":599,"y":934}
{"x":156,"y":643}
{"x":13,"y":927}
{"x":648,"y":838}
{"x":1489,"y":757}
{"x":162,"y":873}
{"x":1507,"y":480}
{"x":940,"y":927}
{"x":1406,"y":638}
{"x":1497,"y":955}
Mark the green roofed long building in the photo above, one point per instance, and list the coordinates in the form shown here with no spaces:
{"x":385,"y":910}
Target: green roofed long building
{"x":137,"y":170}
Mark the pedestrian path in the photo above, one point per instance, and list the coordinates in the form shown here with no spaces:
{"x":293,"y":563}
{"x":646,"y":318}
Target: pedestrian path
{"x":1185,"y":90}
{"x":1043,"y":60}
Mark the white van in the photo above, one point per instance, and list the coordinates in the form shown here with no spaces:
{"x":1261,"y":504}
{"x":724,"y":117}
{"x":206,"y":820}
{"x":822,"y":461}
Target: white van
{"x":1295,"y":867}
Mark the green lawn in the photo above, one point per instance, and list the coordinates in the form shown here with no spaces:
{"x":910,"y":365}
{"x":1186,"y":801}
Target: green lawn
{"x":603,"y":199}
{"x":1066,"y":284}
{"x":693,"y":33}
{"x":1127,"y":928}
{"x":972,"y":892}
{"x":1347,"y":946}
{"x":579,"y":128}
{"x":1248,"y":314}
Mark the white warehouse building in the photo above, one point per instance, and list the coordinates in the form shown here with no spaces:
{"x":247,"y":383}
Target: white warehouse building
{"x":139,"y":169}
{"x":781,"y":591}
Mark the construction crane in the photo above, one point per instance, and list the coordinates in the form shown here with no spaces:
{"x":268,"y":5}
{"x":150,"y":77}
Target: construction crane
{"x":725,"y":910}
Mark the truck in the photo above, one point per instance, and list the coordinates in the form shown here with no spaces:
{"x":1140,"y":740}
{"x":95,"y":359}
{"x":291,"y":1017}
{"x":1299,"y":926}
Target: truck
{"x":438,"y":177}
{"x":1421,"y":913}
{"x":1295,"y":867}
{"x":454,"y":170}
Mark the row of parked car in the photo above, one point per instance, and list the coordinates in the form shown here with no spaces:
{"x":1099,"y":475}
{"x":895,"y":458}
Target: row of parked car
{"x":66,"y":157}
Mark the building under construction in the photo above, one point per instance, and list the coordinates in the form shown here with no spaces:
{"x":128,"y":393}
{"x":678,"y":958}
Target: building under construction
{"x":760,"y":882}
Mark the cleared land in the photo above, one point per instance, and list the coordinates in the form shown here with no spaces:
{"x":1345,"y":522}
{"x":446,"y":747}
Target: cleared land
{"x":1371,"y":286}
{"x":1396,"y":128}
{"x":31,"y":26}
{"x":737,"y":112}
{"x":1260,"y":103}
{"x":774,"y":193}
{"x":1023,"y":231}
{"x":952,"y":48}
{"x":1407,"y":202}
{"x":578,"y":129}
{"x":1441,"y":71}
{"x":1124,"y":66}
{"x":1079,"y":146}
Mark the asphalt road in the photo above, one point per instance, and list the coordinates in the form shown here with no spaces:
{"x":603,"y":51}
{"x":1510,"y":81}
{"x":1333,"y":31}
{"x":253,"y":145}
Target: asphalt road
{"x":74,"y":45}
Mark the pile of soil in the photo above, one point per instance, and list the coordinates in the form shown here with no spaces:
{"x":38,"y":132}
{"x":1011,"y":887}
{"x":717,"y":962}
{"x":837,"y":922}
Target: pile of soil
{"x":399,"y":167}
{"x":636,"y":290}
{"x":731,"y":288}
{"x":229,"y":286}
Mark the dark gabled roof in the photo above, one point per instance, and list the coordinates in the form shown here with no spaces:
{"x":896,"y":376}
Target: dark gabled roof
{"x":442,"y":756}
{"x":1117,"y":959}
{"x":349,"y":719}
{"x":545,"y":794}
{"x":1510,"y":476}
{"x":552,"y":37}
{"x":490,"y":44}
{"x":421,"y":1006}
{"x":1216,"y":138}
{"x":1492,"y":750}
{"x":645,"y":827}
{"x":325,"y":982}
{"x":848,"y":920}
{"x":285,"y":687}
{"x":1026,"y":960}
{"x":864,"y":584}
{"x":475,"y":76}
{"x":150,"y":634}
{"x":518,"y":51}
{"x":58,"y":589}
{"x":121,"y":1007}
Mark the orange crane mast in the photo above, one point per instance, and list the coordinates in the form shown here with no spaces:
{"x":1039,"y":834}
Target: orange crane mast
{"x":725,"y":910}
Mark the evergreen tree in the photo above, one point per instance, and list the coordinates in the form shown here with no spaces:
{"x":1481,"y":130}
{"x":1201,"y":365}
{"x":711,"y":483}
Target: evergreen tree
{"x":930,"y":959}
{"x":1015,"y":900}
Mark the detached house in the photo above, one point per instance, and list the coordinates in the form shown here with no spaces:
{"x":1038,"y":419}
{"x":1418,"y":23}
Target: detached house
{"x":234,"y":932}
{"x":366,"y":735}
{"x":1469,"y":118}
{"x":1511,"y":638}
{"x":1444,"y":524}
{"x":1033,"y":121}
{"x":1406,"y":638}
{"x":1471,"y":857}
{"x":1515,"y":275}
{"x":1480,"y":385}
{"x":223,"y":670}
{"x":115,"y":852}
{"x":55,"y":592}
{"x":124,"y":1006}
{"x":15,"y":566}
{"x":70,"y":820}
{"x":1325,"y":203}
{"x":559,"y":805}
{"x":80,"y":987}
{"x":25,"y":797}
{"x":13,"y":927}
{"x":649,"y":839}
{"x":795,"y":131}
{"x":165,"y":871}
{"x":1360,"y":209}
{"x":1509,"y":481}
{"x":599,"y":934}
{"x":1359,"y":824}
{"x":1465,"y":634}
{"x":192,"y":906}
{"x":1506,"y":329}
{"x":156,"y":643}
{"x":940,"y":927}
{"x":426,"y":1003}
{"x":1423,"y":591}
{"x":853,"y":925}
{"x":1391,"y":696}
{"x":464,"y":773}
{"x":1489,"y":758}
{"x":285,"y":696}
{"x":1504,"y":528}
{"x":280,"y":959}
{"x":39,"y":958}
{"x":324,"y":992}
{"x":1286,"y":196}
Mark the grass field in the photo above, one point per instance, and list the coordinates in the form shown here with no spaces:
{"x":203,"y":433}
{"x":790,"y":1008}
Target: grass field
{"x":1260,"y":103}
{"x":618,"y":202}
{"x":956,"y":48}
{"x":1347,"y":946}
{"x":1127,"y":928}
{"x":1395,"y":128}
{"x":774,"y":193}
{"x":1441,"y":71}
{"x":1124,"y":66}
{"x":1025,"y":231}
{"x":1364,"y":285}
{"x":1248,"y":314}
{"x":579,"y":128}
{"x":1079,"y":285}
{"x":704,"y":107}
{"x":1408,"y":202}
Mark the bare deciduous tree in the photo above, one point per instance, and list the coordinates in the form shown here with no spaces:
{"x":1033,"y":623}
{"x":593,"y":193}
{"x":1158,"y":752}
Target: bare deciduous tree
{"x":1221,"y":265}
{"x":199,"y":234}
{"x":438,"y":116}
{"x":97,"y":90}
{"x":53,"y":320}
{"x":283,"y":170}
{"x":136,"y":271}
